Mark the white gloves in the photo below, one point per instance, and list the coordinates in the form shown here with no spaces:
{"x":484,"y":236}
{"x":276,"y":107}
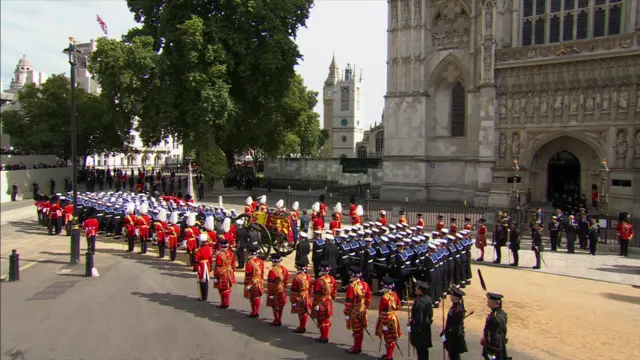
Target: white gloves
{"x":215,"y":281}
{"x":271,"y":297}
{"x":248,"y":288}
{"x":409,"y":329}
{"x":384,"y":328}
{"x":293,"y":305}
{"x":317,"y":308}
{"x":346,"y":318}
{"x":443,"y":338}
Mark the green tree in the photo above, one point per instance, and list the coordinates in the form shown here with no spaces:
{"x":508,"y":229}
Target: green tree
{"x":43,"y":122}
{"x":214,"y":72}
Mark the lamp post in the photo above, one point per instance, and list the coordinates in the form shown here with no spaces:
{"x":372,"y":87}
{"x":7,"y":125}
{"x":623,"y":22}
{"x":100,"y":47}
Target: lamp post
{"x":602,"y":199}
{"x":514,"y":190}
{"x":73,"y":53}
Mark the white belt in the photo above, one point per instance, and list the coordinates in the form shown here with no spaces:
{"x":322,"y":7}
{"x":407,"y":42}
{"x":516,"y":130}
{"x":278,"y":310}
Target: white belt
{"x":457,"y":256}
{"x":370,"y":261}
{"x":407,"y":262}
{"x":319,"y":250}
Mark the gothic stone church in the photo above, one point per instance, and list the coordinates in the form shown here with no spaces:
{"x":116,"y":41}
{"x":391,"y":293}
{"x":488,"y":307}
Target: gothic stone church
{"x":475,"y":84}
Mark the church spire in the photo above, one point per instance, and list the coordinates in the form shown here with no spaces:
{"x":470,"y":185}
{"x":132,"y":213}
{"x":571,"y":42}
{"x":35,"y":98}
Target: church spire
{"x":334,"y":72}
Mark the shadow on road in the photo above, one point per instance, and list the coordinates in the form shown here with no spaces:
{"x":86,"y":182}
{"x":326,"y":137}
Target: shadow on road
{"x":624,"y":298}
{"x":621,"y":269}
{"x":29,"y":227}
{"x":181,"y":275}
{"x":281,"y":337}
{"x":154,"y":262}
{"x":49,"y":261}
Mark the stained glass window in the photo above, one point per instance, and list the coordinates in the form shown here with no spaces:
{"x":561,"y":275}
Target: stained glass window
{"x":458,"y":111}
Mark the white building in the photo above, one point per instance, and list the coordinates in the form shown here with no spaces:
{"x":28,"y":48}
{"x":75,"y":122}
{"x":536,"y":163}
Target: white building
{"x":25,"y":74}
{"x":169,"y":152}
{"x":342,"y":110}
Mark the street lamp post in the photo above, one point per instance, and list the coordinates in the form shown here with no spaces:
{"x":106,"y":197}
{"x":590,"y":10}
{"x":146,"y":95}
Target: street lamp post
{"x":73,"y":53}
{"x":514,"y":190}
{"x":602,"y":199}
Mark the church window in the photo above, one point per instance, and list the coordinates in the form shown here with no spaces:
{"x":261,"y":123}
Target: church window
{"x":458,"y":111}
{"x":344,"y":98}
{"x":362,"y":152}
{"x":569,"y":4}
{"x":599,"y":22}
{"x":380,"y":143}
{"x":567,"y":34}
{"x":583,"y":4}
{"x":615,"y":15}
{"x":526,"y":33}
{"x":541,"y":6}
{"x":554,"y":29}
{"x":556,"y":6}
{"x":583,"y":25}
{"x":527,"y":8}
{"x":540,"y":39}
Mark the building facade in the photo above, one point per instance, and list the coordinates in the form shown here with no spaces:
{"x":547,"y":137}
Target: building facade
{"x":372,"y":144}
{"x":342,"y":99}
{"x":475,"y":84}
{"x":25,"y":74}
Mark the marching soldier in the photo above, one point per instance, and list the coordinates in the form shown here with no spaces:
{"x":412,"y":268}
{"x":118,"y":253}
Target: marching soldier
{"x":318,"y":221}
{"x":203,"y":258}
{"x":467,"y":224}
{"x":190,"y":235}
{"x":335,"y":224}
{"x":514,"y":242}
{"x":55,"y":213}
{"x":263,"y":207}
{"x":173,"y":233}
{"x":90,"y":227}
{"x":388,"y":325}
{"x":501,"y":240}
{"x":159,"y":229}
{"x":367,"y":262}
{"x":301,"y":296}
{"x":323,"y":208}
{"x":625,"y":233}
{"x":142,"y":223}
{"x":453,"y":228}
{"x":421,"y":320}
{"x":420,"y":221}
{"x":278,"y":279}
{"x":253,"y":280}
{"x":554,"y":232}
{"x":383,"y":218}
{"x":403,"y":218}
{"x":494,"y":342}
{"x":440,"y":224}
{"x":129,"y":223}
{"x":224,"y":276}
{"x":352,"y":210}
{"x":248,"y":208}
{"x":453,"y":332}
{"x":357,"y":301}
{"x":536,"y":244}
{"x":324,"y":292}
{"x":338,"y":210}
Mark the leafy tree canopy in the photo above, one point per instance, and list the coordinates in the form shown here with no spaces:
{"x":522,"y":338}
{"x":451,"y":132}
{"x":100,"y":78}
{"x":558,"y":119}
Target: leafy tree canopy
{"x":43,"y":123}
{"x":213,"y":72}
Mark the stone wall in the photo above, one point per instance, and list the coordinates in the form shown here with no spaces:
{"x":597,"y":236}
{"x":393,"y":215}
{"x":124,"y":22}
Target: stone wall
{"x":319,"y":171}
{"x":29,"y":160}
{"x":25,"y":179}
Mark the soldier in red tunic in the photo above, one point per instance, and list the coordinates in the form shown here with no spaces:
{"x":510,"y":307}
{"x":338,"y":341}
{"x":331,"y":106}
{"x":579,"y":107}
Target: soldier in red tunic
{"x":90,"y":227}
{"x":625,"y":234}
{"x":248,"y":208}
{"x":323,"y":207}
{"x":324,"y":292}
{"x":142,"y":223}
{"x":224,"y":272}
{"x":203,"y":260}
{"x":45,"y":210}
{"x":481,"y":240}
{"x":253,"y":281}
{"x":255,"y":205}
{"x":301,"y":296}
{"x":420,"y":221}
{"x":335,"y":224}
{"x":68,"y":216}
{"x":338,"y":211}
{"x":440,"y":224}
{"x":403,"y":218}
{"x":295,"y":213}
{"x":129,"y":224}
{"x":467,"y":224}
{"x":352,"y":210}
{"x":55,"y":214}
{"x":453,"y":228}
{"x":190,"y":236}
{"x":278,"y":279}
{"x":263,"y":203}
{"x":173,"y":233}
{"x":318,"y":221}
{"x":160,"y":231}
{"x":357,"y":220}
{"x":388,"y":326}
{"x":357,"y":301}
{"x":383,"y":218}
{"x":209,"y":226}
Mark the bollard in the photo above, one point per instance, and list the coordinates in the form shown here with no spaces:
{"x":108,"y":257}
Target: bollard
{"x":75,"y":245}
{"x":88,"y":267}
{"x":14,"y":265}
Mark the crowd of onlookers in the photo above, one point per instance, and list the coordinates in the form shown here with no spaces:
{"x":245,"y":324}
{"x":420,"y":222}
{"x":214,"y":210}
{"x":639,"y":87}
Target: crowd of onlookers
{"x":22,"y":166}
{"x":10,"y":150}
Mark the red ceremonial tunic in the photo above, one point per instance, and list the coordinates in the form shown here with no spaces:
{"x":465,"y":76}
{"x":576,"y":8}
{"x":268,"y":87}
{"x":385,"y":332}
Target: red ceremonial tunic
{"x":318,"y":224}
{"x":55,"y":211}
{"x":387,"y":317}
{"x":300,"y":294}
{"x":440,"y":226}
{"x":324,"y":291}
{"x":357,"y":301}
{"x":453,"y":229}
{"x":142,"y":224}
{"x":481,"y":241}
{"x":253,"y":277}
{"x":255,"y":206}
{"x":203,"y":258}
{"x":159,"y":228}
{"x":357,"y":220}
{"x":45,"y":207}
{"x":323,"y":209}
{"x":224,"y":271}
{"x":403,"y":219}
{"x":173,"y":232}
{"x":214,"y":240}
{"x":467,"y":227}
{"x":625,"y":231}
{"x":248,"y":210}
{"x":129,"y":224}
{"x":334,"y":225}
{"x":90,"y":227}
{"x":383,"y":220}
{"x":230,"y":237}
{"x":68,"y":213}
{"x":191,"y":237}
{"x":295,"y":215}
{"x":420,"y":222}
{"x":278,"y":279}
{"x":263,"y":207}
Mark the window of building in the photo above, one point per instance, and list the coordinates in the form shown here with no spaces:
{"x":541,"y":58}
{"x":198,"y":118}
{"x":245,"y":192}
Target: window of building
{"x":380,"y":143}
{"x":362,"y":152}
{"x":344,"y":139}
{"x":458,"y":111}
{"x":552,"y":21}
{"x":621,"y":183}
{"x":344,"y":98}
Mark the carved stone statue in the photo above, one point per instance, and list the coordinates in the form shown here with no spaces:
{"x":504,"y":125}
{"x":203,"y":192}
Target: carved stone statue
{"x":557,"y":105}
{"x":544,"y":104}
{"x":417,"y":11}
{"x":515,"y":145}
{"x":502,"y":150}
{"x":605,"y":100}
{"x":573,"y":109}
{"x":529,"y":106}
{"x":516,"y":106}
{"x":488,"y":17}
{"x":394,"y":13}
{"x":406,"y":13}
{"x":588,"y":102}
{"x":637,"y":141}
{"x":503,"y":107}
{"x":621,"y":145}
{"x":623,"y":100}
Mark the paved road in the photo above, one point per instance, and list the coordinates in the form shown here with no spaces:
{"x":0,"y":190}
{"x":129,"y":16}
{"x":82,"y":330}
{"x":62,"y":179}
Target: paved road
{"x":145,"y":308}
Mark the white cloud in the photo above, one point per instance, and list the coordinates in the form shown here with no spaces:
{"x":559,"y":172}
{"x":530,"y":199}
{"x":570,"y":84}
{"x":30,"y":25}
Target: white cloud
{"x":355,"y":30}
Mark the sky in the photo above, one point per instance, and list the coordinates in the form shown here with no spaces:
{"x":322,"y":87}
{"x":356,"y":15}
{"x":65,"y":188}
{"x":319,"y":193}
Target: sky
{"x":353,"y":30}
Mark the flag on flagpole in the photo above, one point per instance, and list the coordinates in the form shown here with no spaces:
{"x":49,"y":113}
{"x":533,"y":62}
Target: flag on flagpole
{"x":103,"y":25}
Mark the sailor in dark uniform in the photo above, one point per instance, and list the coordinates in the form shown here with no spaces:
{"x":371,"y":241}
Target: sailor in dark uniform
{"x":381,"y":260}
{"x":318,"y":249}
{"x":459,"y":269}
{"x":421,"y":320}
{"x":108,"y":219}
{"x":368,"y":256}
{"x":344,"y":260}
{"x":332,"y":255}
{"x":400,"y":264}
{"x":453,"y":333}
{"x":494,"y":341}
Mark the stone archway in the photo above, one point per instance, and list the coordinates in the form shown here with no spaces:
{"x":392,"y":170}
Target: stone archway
{"x":564,"y":153}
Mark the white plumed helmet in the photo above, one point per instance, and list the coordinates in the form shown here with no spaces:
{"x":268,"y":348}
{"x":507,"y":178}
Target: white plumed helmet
{"x":174,"y":218}
{"x":208,"y":223}
{"x":338,"y":208}
{"x":295,"y":205}
{"x":263,"y":199}
{"x":131,"y":207}
{"x":359,"y":210}
{"x":144,"y":209}
{"x":191,"y":219}
{"x":383,"y":213}
{"x":162,"y":215}
{"x":248,"y":201}
{"x":316,"y":206}
{"x":280,"y":204}
{"x":203,"y":238}
{"x":226,"y":225}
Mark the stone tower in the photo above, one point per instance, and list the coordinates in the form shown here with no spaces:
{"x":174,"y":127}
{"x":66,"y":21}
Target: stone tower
{"x":342,"y":97}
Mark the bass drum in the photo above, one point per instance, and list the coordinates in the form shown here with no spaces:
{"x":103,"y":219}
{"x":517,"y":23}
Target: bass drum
{"x":263,"y":238}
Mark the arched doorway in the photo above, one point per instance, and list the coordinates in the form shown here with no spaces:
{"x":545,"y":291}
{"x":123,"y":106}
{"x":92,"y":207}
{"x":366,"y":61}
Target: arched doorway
{"x":563,"y":175}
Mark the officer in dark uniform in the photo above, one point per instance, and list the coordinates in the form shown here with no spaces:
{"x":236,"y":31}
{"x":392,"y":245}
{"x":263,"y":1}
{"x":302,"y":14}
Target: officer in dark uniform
{"x":421,"y":319}
{"x":583,"y":229}
{"x":332,"y":255}
{"x":303,"y":248}
{"x":108,"y":219}
{"x":399,"y":268}
{"x":554,"y":232}
{"x":453,"y":332}
{"x":318,"y":249}
{"x":501,"y":239}
{"x":536,"y":244}
{"x":494,"y":341}
{"x":514,"y":241}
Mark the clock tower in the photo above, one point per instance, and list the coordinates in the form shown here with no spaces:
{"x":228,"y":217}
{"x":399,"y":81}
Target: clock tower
{"x":342,"y":110}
